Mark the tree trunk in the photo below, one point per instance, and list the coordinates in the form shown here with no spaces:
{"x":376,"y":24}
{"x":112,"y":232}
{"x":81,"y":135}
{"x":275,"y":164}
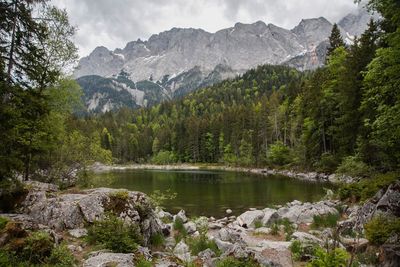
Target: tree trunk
{"x":12,"y":45}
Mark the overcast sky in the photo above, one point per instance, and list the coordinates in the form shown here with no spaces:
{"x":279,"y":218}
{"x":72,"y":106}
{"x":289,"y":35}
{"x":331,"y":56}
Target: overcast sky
{"x":113,"y":23}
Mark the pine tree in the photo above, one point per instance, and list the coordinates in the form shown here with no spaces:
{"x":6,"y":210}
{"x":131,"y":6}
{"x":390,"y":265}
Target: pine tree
{"x":335,"y":40}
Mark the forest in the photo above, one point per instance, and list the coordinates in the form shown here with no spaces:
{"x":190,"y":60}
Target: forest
{"x":341,"y":117}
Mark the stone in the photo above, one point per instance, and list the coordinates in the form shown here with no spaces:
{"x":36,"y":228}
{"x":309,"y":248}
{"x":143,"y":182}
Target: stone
{"x":206,"y":257}
{"x":214,"y":226}
{"x":181,"y":215}
{"x":306,"y":238}
{"x":109,"y":259}
{"x":262,"y":231}
{"x":182,"y":252}
{"x":270,"y":216}
{"x":276,"y":253}
{"x":248,"y":218}
{"x":39,"y":186}
{"x":78,"y":233}
{"x":190,"y":227}
{"x":305,"y":212}
{"x":27,"y":222}
{"x":228,"y":211}
{"x":222,"y":245}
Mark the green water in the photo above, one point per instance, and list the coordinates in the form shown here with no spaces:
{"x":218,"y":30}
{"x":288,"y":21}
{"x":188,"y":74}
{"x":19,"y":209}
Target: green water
{"x":210,"y":193}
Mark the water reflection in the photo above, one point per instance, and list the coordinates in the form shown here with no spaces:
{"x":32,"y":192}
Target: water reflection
{"x":210,"y":193}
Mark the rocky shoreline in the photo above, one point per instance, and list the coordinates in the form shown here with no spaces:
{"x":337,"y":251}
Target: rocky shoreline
{"x":262,"y":235}
{"x":305,"y":176}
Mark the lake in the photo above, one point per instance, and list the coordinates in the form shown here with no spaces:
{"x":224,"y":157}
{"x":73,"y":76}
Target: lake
{"x":210,"y":193}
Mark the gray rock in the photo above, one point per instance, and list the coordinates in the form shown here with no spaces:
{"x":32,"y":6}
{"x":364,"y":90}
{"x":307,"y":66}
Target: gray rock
{"x":78,"y":233}
{"x":107,"y":258}
{"x":182,"y":252}
{"x":262,"y":231}
{"x":304,"y":213}
{"x":228,"y":211}
{"x":223,"y":245}
{"x":181,"y":215}
{"x":27,"y":222}
{"x":39,"y":186}
{"x":190,"y":227}
{"x":307,"y":238}
{"x":270,"y":216}
{"x":248,"y":218}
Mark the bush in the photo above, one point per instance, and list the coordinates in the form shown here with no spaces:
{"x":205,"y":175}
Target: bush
{"x":61,"y":256}
{"x":201,"y":243}
{"x":258,"y":224}
{"x":157,"y":240}
{"x":180,"y":229}
{"x":354,"y":167}
{"x":336,"y":258}
{"x":37,"y":247}
{"x":366,"y":188}
{"x":158,"y":198}
{"x":142,"y":262}
{"x":275,"y":229}
{"x":111,"y":233}
{"x":164,"y":157}
{"x":328,"y":220}
{"x":12,"y":193}
{"x":297,"y":249}
{"x":232,"y":262}
{"x":279,"y":154}
{"x":288,"y":228}
{"x":380,"y":228}
{"x":327,"y":163}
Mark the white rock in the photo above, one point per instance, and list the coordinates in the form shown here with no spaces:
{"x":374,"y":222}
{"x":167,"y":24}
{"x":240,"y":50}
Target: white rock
{"x":262,"y":231}
{"x":182,"y":252}
{"x":78,"y":233}
{"x":248,"y":218}
{"x":228,"y":211}
{"x":307,"y":238}
{"x":106,"y":259}
{"x":181,"y":215}
{"x":190,"y":227}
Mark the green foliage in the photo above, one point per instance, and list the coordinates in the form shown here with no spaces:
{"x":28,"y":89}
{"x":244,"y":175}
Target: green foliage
{"x":328,"y":220}
{"x":275,"y":229}
{"x":157,"y":240}
{"x":327,"y":163}
{"x":279,"y":154}
{"x":297,"y":249}
{"x":335,"y":258}
{"x":142,"y":262}
{"x":232,"y":262}
{"x":122,"y":195}
{"x":37,"y":247}
{"x":258,"y":223}
{"x":158,"y":198}
{"x":164,"y":157}
{"x":354,"y":167}
{"x":180,"y":229}
{"x":380,"y":228}
{"x":61,"y":256}
{"x":366,"y":188}
{"x":113,"y":234}
{"x":201,"y":243}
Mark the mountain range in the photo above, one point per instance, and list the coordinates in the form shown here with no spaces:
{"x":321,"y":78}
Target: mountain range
{"x":175,"y":62}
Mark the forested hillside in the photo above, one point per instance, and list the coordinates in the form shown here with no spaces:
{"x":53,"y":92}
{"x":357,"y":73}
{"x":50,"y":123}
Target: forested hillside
{"x":344,"y":114}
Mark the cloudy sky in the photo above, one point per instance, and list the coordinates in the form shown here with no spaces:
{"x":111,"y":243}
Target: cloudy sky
{"x":113,"y":23}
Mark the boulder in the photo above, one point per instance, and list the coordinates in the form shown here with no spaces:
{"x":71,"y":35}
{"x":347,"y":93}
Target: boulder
{"x":27,"y":222}
{"x":101,"y":258}
{"x":262,"y":231}
{"x":206,"y":257}
{"x":270,"y":216}
{"x":248,"y":218}
{"x":181,"y":215}
{"x":306,"y":238}
{"x":190,"y":227}
{"x":228,"y":211}
{"x":222,"y":245}
{"x":273,"y":253}
{"x":305,"y":212}
{"x":182,"y":252}
{"x":78,"y":233}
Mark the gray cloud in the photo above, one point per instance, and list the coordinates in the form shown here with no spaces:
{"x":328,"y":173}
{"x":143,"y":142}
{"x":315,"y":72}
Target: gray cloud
{"x":113,"y":23}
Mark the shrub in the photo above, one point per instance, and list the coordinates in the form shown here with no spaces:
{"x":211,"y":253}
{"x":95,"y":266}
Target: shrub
{"x":288,"y":228}
{"x":12,"y":193}
{"x":380,"y":228}
{"x":336,"y":258}
{"x":200,"y":243}
{"x":275,"y":229}
{"x":61,"y":256}
{"x":354,"y":167}
{"x":328,"y":220}
{"x":327,"y":163}
{"x":38,"y":246}
{"x":366,"y":188}
{"x":112,"y":234}
{"x":164,"y":157}
{"x":157,"y":240}
{"x":232,"y":262}
{"x":297,"y":249}
{"x":158,"y":198}
{"x":279,"y":154}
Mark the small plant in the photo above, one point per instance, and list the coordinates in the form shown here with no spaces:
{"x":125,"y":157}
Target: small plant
{"x":328,"y":220}
{"x":335,"y":258}
{"x":120,"y":194}
{"x":157,"y":240}
{"x":258,"y":224}
{"x":297,"y":249}
{"x":181,"y":232}
{"x":288,"y":228}
{"x":142,"y":262}
{"x":61,"y":256}
{"x":369,"y":256}
{"x":201,"y":243}
{"x":380,"y":228}
{"x":111,"y":233}
{"x":354,"y":167}
{"x":37,"y":247}
{"x":275,"y":229}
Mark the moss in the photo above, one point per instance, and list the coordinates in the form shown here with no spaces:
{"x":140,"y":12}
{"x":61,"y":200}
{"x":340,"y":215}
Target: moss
{"x":232,"y":262}
{"x":118,"y":200}
{"x":3,"y":222}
